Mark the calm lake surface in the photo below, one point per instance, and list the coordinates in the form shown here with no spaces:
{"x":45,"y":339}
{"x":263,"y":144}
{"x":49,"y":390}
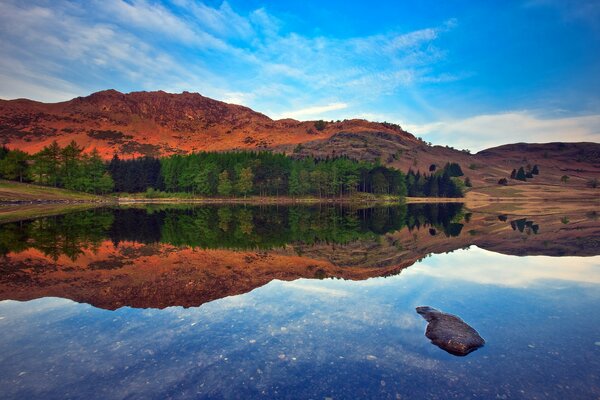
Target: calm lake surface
{"x":317,"y":302}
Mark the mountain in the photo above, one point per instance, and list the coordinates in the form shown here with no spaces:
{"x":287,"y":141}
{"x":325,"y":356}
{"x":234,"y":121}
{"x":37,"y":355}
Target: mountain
{"x":157,"y":123}
{"x":160,"y":123}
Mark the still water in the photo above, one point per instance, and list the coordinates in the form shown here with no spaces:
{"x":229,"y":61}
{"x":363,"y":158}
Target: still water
{"x":297,"y":302}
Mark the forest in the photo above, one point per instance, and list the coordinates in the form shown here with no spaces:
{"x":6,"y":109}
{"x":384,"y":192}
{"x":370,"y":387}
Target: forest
{"x":225,"y":174}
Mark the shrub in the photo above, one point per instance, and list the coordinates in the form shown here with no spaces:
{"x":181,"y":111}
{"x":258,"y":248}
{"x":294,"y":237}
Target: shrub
{"x":320,"y":125}
{"x":503,"y":182}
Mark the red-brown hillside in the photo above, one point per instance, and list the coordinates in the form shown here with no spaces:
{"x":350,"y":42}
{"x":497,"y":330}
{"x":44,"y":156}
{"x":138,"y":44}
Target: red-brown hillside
{"x":160,"y":123}
{"x":157,"y":123}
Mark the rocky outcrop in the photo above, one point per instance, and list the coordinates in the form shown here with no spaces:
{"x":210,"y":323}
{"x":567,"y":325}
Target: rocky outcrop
{"x":449,"y":332}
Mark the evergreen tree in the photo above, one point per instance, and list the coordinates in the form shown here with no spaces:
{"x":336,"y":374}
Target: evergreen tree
{"x":294,"y":182}
{"x":70,"y":156}
{"x":521,"y":174}
{"x":14,"y":165}
{"x":244,"y":183}
{"x":224,"y":187}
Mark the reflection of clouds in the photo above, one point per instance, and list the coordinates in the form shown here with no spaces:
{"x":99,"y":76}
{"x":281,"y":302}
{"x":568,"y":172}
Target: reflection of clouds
{"x":347,"y":332}
{"x":315,"y":288}
{"x":485,"y":267}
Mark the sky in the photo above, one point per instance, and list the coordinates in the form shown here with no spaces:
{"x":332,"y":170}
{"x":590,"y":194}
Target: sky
{"x":470,"y":74}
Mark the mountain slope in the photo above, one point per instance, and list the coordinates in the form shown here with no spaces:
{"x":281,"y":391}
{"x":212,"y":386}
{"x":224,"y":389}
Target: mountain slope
{"x":160,"y":123}
{"x":157,"y":123}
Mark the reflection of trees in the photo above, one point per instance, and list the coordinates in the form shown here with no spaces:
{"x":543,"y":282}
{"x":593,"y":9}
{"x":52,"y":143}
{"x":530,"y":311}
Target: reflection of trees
{"x":446,"y":217}
{"x":232,"y":227}
{"x":68,"y":234}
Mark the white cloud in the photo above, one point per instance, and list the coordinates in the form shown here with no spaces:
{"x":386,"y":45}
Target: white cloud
{"x":484,"y":131}
{"x":490,"y":268}
{"x":77,"y":48}
{"x":315,"y":289}
{"x":312,"y":112}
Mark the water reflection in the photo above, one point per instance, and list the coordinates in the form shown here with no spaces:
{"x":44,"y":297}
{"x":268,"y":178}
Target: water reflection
{"x":321,"y":338}
{"x":161,"y":256}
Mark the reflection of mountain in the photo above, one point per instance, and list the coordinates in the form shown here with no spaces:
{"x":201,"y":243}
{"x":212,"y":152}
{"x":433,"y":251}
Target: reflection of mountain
{"x":175,"y":259}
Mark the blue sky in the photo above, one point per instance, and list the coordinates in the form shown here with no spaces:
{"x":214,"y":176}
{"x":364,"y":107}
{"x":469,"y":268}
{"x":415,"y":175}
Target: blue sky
{"x":464,"y":73}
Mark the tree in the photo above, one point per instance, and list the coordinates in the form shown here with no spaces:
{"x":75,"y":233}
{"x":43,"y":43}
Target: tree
{"x":14,"y":165}
{"x":53,"y":154}
{"x":245,"y":179}
{"x":468,"y":182}
{"x":535,"y":170}
{"x":503,"y":182}
{"x":70,"y":156}
{"x":224,"y":187}
{"x":294,"y":182}
{"x":453,"y":169}
{"x":513,"y":174}
{"x":564,"y":178}
{"x":204,"y":181}
{"x":380,"y":184}
{"x":521,"y":174}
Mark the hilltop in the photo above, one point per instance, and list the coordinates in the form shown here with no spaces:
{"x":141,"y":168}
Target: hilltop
{"x":158,"y":123}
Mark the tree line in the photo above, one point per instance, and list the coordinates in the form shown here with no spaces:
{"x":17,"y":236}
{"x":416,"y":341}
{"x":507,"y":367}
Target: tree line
{"x":224,"y":174}
{"x":67,"y":167}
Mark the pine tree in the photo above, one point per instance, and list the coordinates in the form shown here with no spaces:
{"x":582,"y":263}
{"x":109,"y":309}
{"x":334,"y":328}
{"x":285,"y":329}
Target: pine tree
{"x":70,"y":156}
{"x":521,"y":174}
{"x":245,"y":179}
{"x":14,"y":165}
{"x":294,"y":188}
{"x":224,"y":187}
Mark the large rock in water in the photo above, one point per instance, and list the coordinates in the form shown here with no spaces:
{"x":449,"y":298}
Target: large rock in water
{"x":450,"y":332}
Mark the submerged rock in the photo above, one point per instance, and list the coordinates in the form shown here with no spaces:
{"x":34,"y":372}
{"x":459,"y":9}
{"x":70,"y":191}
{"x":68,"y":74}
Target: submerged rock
{"x":449,"y":332}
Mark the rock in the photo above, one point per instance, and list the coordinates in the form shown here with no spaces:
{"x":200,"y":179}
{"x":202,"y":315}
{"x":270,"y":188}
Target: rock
{"x":449,"y":332}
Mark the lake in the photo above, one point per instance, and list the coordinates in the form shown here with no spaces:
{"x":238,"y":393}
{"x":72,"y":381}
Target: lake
{"x":315,"y":302}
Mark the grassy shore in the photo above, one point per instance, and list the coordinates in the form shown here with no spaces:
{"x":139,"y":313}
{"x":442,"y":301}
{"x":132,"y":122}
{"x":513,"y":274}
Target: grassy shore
{"x":15,"y":192}
{"x":11,"y":212}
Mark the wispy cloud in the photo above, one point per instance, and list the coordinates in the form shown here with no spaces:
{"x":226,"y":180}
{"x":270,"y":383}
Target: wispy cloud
{"x":138,"y":44}
{"x":313,"y":112}
{"x":501,"y":270}
{"x":484,"y":131}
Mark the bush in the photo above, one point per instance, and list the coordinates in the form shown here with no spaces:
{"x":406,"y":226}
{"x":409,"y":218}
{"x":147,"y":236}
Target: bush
{"x":503,"y":182}
{"x":320,"y":125}
{"x":592,"y":183}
